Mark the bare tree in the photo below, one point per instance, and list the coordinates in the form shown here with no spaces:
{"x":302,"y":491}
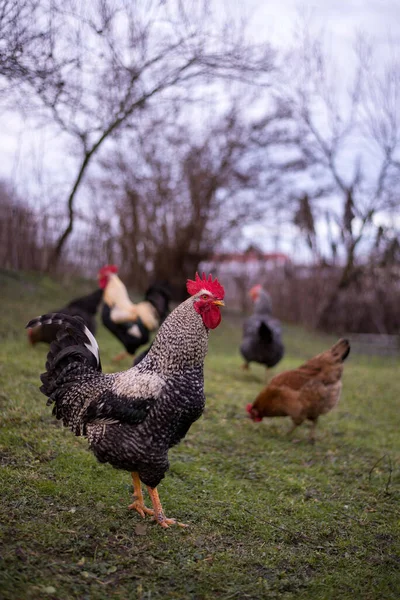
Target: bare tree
{"x":28,"y":33}
{"x":118,"y":56}
{"x":24,"y":237}
{"x":186,"y":193}
{"x":349,"y":142}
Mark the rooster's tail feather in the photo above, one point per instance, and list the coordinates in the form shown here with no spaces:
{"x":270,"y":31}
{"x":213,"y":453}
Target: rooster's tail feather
{"x":74,"y":345}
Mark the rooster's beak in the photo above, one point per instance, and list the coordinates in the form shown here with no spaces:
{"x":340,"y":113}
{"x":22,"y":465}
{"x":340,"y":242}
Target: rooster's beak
{"x":219,"y":303}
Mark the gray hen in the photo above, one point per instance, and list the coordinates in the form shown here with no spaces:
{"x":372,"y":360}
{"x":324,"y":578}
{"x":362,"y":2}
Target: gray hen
{"x":262,"y":334}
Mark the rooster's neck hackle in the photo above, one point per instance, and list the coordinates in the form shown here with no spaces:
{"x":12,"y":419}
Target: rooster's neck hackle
{"x":182,"y":340}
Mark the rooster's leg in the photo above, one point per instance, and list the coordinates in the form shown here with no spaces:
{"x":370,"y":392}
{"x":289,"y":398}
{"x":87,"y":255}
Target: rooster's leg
{"x":158,"y":510}
{"x":245,"y":366}
{"x":138,"y":503}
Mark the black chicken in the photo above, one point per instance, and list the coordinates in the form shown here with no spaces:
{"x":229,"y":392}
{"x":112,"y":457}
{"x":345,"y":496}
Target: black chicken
{"x":84,"y":307}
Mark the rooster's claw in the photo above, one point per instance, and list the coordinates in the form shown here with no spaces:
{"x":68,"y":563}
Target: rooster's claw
{"x":141,"y":508}
{"x":165,"y":523}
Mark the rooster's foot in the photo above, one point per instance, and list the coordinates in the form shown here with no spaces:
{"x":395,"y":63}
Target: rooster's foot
{"x":138,"y":503}
{"x":162,"y":520}
{"x":139,"y":506}
{"x":159,"y":516}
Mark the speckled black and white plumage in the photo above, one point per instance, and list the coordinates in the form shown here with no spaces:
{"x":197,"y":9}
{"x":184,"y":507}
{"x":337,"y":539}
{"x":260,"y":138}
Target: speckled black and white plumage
{"x":262,"y":334}
{"x":130,"y":418}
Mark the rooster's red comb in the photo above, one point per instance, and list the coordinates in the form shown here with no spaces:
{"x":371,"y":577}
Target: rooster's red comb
{"x":194,"y":287}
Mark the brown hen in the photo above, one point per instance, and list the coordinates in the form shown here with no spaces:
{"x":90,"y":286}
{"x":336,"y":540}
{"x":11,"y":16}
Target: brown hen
{"x":304,"y":393}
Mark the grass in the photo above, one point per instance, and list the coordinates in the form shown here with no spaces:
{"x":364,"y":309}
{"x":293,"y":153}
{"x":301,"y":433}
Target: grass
{"x":270,"y":517}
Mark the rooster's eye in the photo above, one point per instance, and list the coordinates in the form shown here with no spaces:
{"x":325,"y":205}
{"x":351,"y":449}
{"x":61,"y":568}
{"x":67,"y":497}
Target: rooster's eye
{"x":205,"y":296}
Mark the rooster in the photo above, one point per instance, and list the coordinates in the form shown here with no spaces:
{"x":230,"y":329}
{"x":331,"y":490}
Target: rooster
{"x":84,"y":307}
{"x":304,"y":393}
{"x":131,"y":323}
{"x":262,"y":336}
{"x":132,"y":418}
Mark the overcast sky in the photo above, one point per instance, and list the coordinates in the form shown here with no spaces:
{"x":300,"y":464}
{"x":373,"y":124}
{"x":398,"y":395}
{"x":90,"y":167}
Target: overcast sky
{"x":23,"y":154}
{"x":341,"y":21}
{"x":272,"y":20}
{"x":342,"y":18}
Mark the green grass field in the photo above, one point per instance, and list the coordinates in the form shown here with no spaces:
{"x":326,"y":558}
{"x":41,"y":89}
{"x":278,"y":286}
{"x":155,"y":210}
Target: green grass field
{"x":269,"y":516}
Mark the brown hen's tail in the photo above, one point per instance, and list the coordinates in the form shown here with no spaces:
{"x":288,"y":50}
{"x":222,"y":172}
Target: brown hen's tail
{"x":341,"y":349}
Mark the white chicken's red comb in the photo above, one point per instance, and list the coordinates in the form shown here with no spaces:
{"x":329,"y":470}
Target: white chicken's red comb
{"x":107,"y":269}
{"x":193,"y":287}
